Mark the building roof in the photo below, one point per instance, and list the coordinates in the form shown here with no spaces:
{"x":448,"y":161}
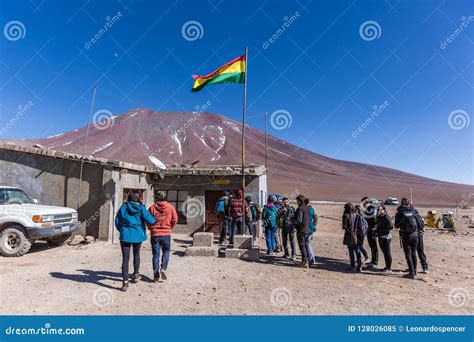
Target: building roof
{"x":174,"y":169}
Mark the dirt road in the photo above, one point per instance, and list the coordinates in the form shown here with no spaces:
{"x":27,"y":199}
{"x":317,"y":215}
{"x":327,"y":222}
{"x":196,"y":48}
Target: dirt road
{"x":85,"y":280}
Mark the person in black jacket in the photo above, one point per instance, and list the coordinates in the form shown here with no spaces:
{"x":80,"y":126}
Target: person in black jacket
{"x":369,"y":213}
{"x":358,"y":210}
{"x":302,"y":220}
{"x":350,"y":227}
{"x":405,"y":220}
{"x":383,"y":230}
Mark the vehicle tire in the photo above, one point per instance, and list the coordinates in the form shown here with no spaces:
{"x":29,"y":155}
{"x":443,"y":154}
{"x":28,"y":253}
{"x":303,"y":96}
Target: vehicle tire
{"x":58,"y":240}
{"x":13,"y":242}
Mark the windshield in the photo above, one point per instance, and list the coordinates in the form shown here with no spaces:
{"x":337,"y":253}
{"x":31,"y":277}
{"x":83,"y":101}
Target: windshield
{"x":14,"y":196}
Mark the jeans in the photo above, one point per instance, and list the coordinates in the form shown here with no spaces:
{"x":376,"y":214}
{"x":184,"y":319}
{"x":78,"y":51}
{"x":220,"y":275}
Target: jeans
{"x":235,"y":228}
{"x":387,"y":254}
{"x":410,"y":244}
{"x":421,"y":252}
{"x":126,"y":247}
{"x":270,"y":238}
{"x":289,"y":235}
{"x":354,"y":252}
{"x":363,"y":250}
{"x":252,"y":228}
{"x":309,"y":248}
{"x":301,"y":236}
{"x":160,"y":243}
{"x":226,"y":223}
{"x":372,"y":239}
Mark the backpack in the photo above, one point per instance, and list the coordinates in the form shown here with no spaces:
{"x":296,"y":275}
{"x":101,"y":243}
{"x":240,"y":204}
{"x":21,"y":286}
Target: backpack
{"x":259,"y":209}
{"x":248,"y":213}
{"x":408,"y":223}
{"x":220,"y":207}
{"x":420,"y":224}
{"x":363,"y":226}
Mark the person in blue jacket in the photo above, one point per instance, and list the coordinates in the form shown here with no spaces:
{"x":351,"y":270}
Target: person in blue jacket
{"x":269,"y":219}
{"x":130,"y":222}
{"x":312,"y":229}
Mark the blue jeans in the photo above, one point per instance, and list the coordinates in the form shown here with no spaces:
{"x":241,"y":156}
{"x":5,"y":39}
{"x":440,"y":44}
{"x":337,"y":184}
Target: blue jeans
{"x":160,"y":243}
{"x":235,"y":228}
{"x":270,"y":238}
{"x":226,"y":223}
{"x":354,"y":253}
{"x":309,"y":248}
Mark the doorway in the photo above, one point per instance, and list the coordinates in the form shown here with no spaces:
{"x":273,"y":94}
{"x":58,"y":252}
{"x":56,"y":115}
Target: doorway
{"x":212,"y":223}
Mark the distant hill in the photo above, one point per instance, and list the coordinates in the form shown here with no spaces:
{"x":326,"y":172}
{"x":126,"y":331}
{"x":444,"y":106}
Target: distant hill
{"x":212,"y":139}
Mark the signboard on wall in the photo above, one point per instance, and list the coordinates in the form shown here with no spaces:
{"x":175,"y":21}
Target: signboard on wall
{"x":222,"y":181}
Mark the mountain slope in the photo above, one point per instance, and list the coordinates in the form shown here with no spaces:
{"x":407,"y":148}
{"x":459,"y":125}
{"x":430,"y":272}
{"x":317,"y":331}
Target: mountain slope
{"x":211,"y":139}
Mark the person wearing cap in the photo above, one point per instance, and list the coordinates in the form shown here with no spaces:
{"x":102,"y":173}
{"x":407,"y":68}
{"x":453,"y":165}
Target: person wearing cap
{"x":251,"y":217}
{"x":166,"y":219}
{"x":269,"y":217}
{"x":130,"y":222}
{"x":236,"y":212}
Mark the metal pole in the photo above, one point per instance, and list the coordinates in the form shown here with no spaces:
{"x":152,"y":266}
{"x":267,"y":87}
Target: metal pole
{"x":243,"y":140}
{"x":411,"y":196}
{"x":266,"y":142}
{"x":84,"y":149}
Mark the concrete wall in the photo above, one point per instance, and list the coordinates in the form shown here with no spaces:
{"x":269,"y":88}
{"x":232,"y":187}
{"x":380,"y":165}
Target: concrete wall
{"x":56,"y":182}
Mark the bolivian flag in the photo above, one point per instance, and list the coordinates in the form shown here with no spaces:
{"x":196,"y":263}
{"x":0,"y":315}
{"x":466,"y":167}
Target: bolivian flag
{"x":231,"y":72}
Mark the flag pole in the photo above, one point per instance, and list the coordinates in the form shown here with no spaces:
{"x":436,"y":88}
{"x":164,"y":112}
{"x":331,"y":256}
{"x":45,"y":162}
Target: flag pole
{"x":266,"y":142}
{"x":84,"y":148}
{"x":243,"y":140}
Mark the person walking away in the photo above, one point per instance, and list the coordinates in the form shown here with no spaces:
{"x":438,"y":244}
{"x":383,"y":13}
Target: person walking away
{"x":130,"y":222}
{"x":235,"y":211}
{"x":420,"y":249}
{"x":362,"y":238}
{"x":301,"y":221}
{"x":251,"y":217}
{"x":222,"y":209}
{"x":269,"y":218}
{"x":311,"y":231}
{"x":405,"y":221}
{"x":285,"y":221}
{"x":166,"y":219}
{"x":278,"y":235}
{"x":383,"y":230}
{"x":349,"y":225}
{"x":371,"y":235}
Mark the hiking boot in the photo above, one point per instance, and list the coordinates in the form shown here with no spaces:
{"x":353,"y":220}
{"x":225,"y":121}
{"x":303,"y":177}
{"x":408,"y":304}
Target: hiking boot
{"x":387,"y":271}
{"x":136,"y":278}
{"x":293,"y":258}
{"x":370,"y":265}
{"x":304,"y":264}
{"x":163,"y":275}
{"x":410,"y":276}
{"x":156,"y":278}
{"x":124,"y":287}
{"x":286,"y":256}
{"x":425,"y":270}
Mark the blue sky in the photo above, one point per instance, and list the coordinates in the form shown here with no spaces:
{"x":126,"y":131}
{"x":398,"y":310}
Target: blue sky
{"x":322,"y":69}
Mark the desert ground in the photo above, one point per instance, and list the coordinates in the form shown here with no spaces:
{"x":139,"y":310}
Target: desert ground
{"x":84,"y":280}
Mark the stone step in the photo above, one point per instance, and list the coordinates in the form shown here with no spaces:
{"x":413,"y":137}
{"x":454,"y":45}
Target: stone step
{"x":252,"y":254}
{"x":243,"y":241}
{"x":203,"y":251}
{"x":203,"y":239}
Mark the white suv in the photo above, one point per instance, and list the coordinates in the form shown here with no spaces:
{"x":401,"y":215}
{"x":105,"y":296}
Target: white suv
{"x":23,"y":221}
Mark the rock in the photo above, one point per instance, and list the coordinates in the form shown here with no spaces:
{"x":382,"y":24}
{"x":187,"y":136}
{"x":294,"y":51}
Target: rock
{"x":78,"y":239}
{"x":202,"y":251}
{"x":89,"y":239}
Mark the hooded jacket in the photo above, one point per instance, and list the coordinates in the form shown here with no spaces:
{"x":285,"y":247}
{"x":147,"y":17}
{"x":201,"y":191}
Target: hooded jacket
{"x":166,"y":218}
{"x":269,"y":214}
{"x":130,"y":222}
{"x":235,"y":207}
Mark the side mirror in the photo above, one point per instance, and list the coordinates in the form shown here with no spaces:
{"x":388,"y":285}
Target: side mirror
{"x":35,"y":201}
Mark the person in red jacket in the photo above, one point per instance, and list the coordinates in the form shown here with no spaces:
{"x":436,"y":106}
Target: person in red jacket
{"x":166,"y":219}
{"x":236,"y":212}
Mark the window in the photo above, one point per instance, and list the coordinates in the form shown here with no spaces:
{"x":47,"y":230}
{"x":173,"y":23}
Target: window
{"x":177,"y":198}
{"x":14,"y":196}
